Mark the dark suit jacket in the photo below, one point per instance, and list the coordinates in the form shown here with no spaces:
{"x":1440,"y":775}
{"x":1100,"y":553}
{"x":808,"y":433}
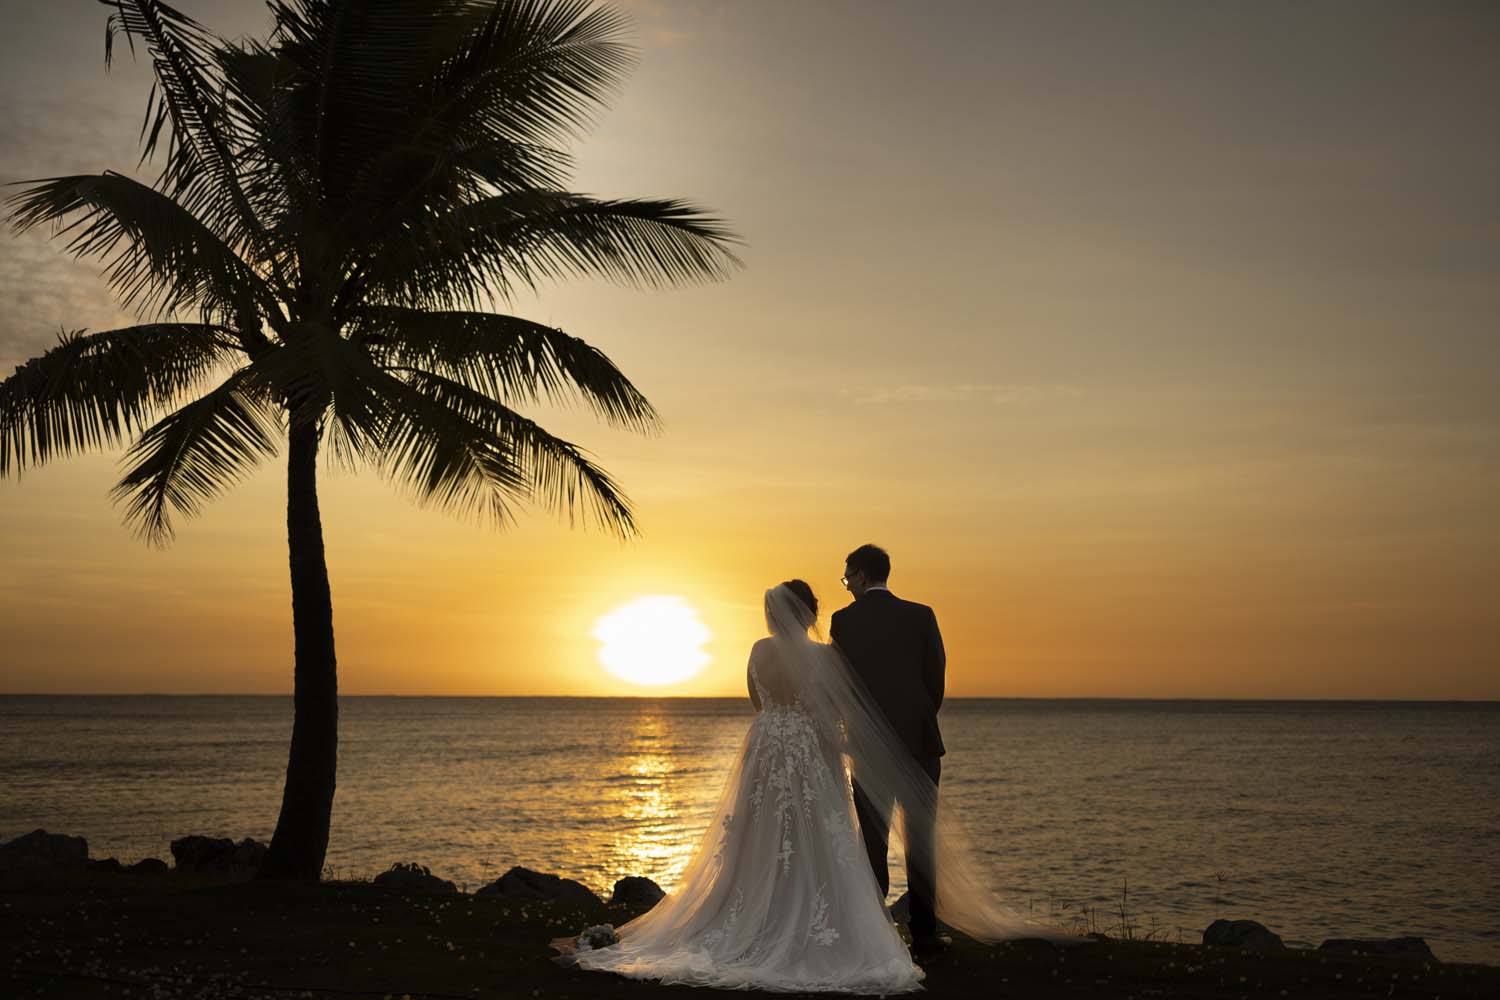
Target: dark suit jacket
{"x":896,"y":649}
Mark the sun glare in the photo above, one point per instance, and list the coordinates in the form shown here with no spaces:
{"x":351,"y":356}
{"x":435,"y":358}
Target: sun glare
{"x":653,"y":640}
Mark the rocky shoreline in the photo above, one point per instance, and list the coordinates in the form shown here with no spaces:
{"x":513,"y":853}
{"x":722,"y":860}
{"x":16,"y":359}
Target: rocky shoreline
{"x":222,"y":856}
{"x":206,"y":928}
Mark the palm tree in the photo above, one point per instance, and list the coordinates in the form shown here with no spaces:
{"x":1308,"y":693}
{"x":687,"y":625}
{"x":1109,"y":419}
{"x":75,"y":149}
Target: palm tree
{"x":336,"y":205}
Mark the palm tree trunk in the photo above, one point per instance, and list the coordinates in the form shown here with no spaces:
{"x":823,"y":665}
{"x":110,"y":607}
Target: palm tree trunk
{"x":301,"y":837}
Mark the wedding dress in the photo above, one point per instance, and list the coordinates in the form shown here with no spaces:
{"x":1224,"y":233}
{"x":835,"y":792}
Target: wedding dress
{"x":779,"y":895}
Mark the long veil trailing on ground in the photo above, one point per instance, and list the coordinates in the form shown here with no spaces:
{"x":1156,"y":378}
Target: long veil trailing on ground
{"x":872,"y":753}
{"x":779,"y":894}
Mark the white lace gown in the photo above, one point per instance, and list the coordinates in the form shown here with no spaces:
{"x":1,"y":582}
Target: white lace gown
{"x":780,"y":895}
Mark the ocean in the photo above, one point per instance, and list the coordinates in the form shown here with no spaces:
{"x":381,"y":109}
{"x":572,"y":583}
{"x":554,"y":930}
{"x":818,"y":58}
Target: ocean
{"x":1319,"y":819}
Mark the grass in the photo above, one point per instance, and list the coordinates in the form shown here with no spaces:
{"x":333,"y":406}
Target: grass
{"x":1117,"y":921}
{"x":95,"y":934}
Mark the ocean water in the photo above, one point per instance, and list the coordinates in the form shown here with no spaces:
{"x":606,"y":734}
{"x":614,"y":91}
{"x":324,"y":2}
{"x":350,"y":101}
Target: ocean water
{"x":1320,"y":819}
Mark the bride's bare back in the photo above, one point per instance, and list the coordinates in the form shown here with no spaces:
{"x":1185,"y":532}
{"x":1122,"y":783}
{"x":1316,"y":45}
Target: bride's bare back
{"x":770,"y":677}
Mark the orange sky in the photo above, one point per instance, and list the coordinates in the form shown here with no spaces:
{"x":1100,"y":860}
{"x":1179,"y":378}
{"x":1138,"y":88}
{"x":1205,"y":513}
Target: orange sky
{"x":1156,"y":344}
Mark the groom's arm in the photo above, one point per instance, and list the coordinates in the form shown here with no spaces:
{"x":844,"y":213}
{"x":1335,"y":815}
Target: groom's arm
{"x":934,"y":662}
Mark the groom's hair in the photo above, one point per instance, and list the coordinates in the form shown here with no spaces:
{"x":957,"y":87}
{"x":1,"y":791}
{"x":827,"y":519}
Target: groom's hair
{"x":872,"y":561}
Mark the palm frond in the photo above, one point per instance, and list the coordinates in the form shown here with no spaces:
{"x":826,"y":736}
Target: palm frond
{"x":273,"y":162}
{"x":362,"y":182}
{"x":421,"y":173}
{"x":398,"y":94}
{"x":158,"y":257}
{"x":94,"y":389}
{"x":651,"y":242}
{"x":186,"y":103}
{"x":196,"y":453}
{"x":558,"y":474}
{"x":533,"y":71}
{"x":320,"y":375}
{"x":506,"y":357}
{"x":406,"y":108}
{"x":518,"y":239}
{"x":450,"y":446}
{"x":355,"y":67}
{"x":442,"y":458}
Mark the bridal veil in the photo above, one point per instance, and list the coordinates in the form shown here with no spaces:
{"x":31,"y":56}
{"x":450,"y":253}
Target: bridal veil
{"x":893,"y":780}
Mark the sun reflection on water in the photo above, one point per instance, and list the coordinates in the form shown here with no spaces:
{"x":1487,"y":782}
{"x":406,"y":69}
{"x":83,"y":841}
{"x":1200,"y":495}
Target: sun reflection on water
{"x":653,"y":837}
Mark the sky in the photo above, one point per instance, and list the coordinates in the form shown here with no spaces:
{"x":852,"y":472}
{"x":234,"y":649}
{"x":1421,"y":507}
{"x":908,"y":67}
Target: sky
{"x":1155,"y":341}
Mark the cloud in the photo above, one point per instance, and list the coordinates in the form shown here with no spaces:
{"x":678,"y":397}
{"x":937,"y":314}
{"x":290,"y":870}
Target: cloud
{"x":661,"y":23}
{"x":664,"y":36}
{"x":965,"y":392}
{"x":45,"y":289}
{"x":45,"y":292}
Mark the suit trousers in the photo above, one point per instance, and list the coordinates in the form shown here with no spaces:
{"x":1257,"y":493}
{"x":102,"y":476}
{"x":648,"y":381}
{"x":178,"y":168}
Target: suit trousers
{"x":921,"y":864}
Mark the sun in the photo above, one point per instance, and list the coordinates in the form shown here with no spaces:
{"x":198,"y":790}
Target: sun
{"x":653,"y":640}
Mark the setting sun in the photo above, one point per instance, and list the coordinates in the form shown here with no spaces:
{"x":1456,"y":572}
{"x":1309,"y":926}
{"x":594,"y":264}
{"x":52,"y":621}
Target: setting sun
{"x":653,"y":640}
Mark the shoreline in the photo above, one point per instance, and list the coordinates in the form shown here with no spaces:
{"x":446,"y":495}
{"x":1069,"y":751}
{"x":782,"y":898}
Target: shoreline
{"x":182,"y":935}
{"x":955,"y":699}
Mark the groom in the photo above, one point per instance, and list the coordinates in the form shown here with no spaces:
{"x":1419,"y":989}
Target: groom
{"x":897,"y":651}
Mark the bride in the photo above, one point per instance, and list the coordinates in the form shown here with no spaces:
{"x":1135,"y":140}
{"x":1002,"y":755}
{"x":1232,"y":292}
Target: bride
{"x":780,"y":895}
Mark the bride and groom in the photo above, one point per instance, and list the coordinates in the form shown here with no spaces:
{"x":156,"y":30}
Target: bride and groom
{"x":787,"y":888}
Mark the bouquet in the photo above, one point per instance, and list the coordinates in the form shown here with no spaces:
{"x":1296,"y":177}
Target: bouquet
{"x":598,"y":936}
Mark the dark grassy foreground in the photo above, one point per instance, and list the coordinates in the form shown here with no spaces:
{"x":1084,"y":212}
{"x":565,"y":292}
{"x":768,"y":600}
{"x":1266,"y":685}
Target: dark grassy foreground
{"x":95,"y":934}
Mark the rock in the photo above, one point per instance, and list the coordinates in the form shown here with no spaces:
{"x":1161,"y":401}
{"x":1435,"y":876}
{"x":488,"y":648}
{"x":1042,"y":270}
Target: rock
{"x":1404,"y":947}
{"x":633,"y":890}
{"x":412,"y":876}
{"x":526,"y":886}
{"x":40,"y":849}
{"x":1241,"y":934}
{"x":192,"y":852}
{"x":105,"y":865}
{"x":148,"y":866}
{"x":217,"y":855}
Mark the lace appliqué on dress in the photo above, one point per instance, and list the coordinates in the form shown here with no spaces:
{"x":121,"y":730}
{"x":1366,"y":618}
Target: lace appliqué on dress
{"x":712,"y":939}
{"x":794,"y":767}
{"x":820,"y":931}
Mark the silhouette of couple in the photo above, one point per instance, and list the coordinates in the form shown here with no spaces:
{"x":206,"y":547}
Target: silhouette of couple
{"x":787,"y":889}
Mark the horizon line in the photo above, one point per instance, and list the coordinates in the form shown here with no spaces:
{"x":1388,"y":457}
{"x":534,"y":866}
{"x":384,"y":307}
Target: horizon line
{"x":711,"y":697}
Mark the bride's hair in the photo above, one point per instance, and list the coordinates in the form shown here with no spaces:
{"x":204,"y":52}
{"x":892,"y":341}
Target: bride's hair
{"x":808,"y":612}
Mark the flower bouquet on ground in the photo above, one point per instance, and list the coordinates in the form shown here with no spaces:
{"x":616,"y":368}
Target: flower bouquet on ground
{"x":598,"y":936}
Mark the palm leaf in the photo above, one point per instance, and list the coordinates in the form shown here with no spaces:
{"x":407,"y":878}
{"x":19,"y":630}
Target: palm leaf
{"x":201,"y":171}
{"x":420,"y":173}
{"x":532,"y":71}
{"x":516,"y":239}
{"x":489,"y":96}
{"x":95,"y":389}
{"x":158,"y":256}
{"x":197,"y":452}
{"x":444,"y":459}
{"x":272,"y":162}
{"x":402,"y":160}
{"x":650,"y":242}
{"x":507,"y":358}
{"x":558,"y":474}
{"x":354,"y":67}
